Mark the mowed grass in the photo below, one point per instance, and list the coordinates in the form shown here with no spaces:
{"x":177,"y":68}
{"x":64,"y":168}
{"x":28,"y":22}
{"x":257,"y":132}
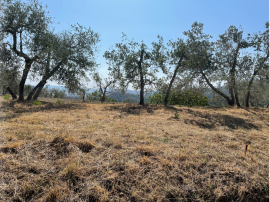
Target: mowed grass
{"x":126,"y":152}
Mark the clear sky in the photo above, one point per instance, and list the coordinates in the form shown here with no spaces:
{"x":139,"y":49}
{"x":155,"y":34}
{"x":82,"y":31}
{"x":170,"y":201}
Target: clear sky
{"x":145,"y":19}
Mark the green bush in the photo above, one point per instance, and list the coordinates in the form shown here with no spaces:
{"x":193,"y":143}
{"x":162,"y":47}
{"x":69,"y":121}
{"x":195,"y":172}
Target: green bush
{"x":97,"y":96}
{"x":6,"y":97}
{"x":36,"y":102}
{"x":59,"y":102}
{"x":187,"y":98}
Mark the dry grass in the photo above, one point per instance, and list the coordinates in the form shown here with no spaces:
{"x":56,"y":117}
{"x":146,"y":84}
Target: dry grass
{"x":126,"y":152}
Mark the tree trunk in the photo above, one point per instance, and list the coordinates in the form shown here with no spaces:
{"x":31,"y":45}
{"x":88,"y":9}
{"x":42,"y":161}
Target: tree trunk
{"x":43,"y":80}
{"x":39,"y":90}
{"x":235,"y":91}
{"x":30,"y":95}
{"x":103,"y":97}
{"x":230,"y":101}
{"x":142,"y":92}
{"x":249,"y":87}
{"x":141,"y":78}
{"x":4,"y":90}
{"x":83,"y":95}
{"x":231,"y":88}
{"x":11,"y":93}
{"x":237,"y":98}
{"x":103,"y":93}
{"x":24,"y":77}
{"x":232,"y":95}
{"x":170,"y":85}
{"x":232,"y":72}
{"x":28,"y":63}
{"x":247,"y":98}
{"x":42,"y":83}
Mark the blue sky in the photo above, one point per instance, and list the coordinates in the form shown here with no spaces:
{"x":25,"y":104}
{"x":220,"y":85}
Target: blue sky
{"x":145,"y":19}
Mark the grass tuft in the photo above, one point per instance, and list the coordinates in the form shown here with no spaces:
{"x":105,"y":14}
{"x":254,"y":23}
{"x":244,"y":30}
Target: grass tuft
{"x":86,"y":146}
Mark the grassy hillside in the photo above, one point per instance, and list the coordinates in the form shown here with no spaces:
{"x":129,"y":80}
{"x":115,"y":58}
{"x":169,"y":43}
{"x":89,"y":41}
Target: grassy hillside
{"x":126,"y":152}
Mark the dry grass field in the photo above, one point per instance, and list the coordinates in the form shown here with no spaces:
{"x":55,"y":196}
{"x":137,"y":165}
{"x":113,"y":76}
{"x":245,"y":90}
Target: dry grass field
{"x":126,"y":152}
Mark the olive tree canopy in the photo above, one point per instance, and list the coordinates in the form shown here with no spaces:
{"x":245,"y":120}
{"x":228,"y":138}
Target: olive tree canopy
{"x":63,"y":57}
{"x":23,"y":23}
{"x":70,"y":56}
{"x":134,"y":63}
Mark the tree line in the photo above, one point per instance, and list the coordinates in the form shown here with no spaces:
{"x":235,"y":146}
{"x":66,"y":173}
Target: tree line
{"x":31,"y":49}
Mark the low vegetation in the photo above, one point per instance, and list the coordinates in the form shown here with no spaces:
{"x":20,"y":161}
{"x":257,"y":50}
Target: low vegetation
{"x":129,"y":152}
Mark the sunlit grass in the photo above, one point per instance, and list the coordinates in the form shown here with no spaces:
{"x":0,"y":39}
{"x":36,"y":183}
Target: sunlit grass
{"x":82,"y":151}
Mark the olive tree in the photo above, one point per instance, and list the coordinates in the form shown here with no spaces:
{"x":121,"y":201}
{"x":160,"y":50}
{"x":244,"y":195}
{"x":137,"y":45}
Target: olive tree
{"x":70,"y":55}
{"x":23,"y":23}
{"x":199,"y":65}
{"x":106,"y":86}
{"x":134,"y":63}
{"x":222,"y":61}
{"x":228,"y":49}
{"x":259,"y":66}
{"x":178,"y":55}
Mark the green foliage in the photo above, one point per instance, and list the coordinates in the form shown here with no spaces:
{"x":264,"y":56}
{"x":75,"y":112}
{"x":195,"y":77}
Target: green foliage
{"x":130,"y":100}
{"x":97,"y":96}
{"x":185,"y":98}
{"x":132,"y":63}
{"x":133,"y":98}
{"x":176,"y":115}
{"x":46,"y":92}
{"x":6,"y":97}
{"x":56,"y":93}
{"x":59,"y":102}
{"x":36,"y":102}
{"x":27,"y":89}
{"x":9,"y":73}
{"x":107,"y":99}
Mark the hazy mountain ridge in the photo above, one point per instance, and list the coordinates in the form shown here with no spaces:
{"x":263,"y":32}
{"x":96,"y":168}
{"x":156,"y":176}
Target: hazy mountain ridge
{"x":133,"y":96}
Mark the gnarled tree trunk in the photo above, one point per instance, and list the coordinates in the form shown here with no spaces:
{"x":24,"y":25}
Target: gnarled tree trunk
{"x":171,"y":82}
{"x":24,"y":77}
{"x":14,"y":96}
{"x":39,"y":90}
{"x":230,"y":101}
{"x":249,"y":87}
{"x":141,"y":79}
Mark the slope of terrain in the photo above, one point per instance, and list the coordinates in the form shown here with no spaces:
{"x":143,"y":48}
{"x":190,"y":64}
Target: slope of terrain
{"x":126,"y":152}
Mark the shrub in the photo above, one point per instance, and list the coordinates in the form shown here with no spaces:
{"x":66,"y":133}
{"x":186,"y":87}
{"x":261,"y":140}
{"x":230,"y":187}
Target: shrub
{"x":187,"y":98}
{"x":59,"y":102}
{"x":36,"y":102}
{"x":6,"y":97}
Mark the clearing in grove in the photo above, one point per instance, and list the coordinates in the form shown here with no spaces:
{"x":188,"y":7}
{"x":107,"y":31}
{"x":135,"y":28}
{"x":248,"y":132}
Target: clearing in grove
{"x":71,"y":151}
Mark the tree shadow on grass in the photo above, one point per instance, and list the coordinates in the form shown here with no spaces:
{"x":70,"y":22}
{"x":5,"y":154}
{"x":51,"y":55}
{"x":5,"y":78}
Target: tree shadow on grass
{"x":210,"y":121}
{"x":132,"y":108}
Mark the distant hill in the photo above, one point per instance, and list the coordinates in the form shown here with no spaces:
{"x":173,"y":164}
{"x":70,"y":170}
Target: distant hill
{"x":92,"y":90}
{"x":133,"y":96}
